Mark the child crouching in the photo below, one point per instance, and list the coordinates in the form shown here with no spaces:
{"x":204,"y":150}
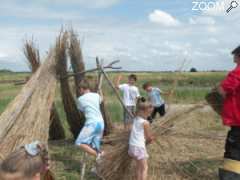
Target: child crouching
{"x":30,"y":162}
{"x":140,"y":135}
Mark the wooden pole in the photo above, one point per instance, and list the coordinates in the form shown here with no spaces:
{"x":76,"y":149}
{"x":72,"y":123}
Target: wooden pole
{"x":83,"y":168}
{"x":116,"y":92}
{"x":109,"y":66}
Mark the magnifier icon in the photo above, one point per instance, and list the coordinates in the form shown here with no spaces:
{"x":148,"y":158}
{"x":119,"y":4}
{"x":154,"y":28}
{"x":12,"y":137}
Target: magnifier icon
{"x":233,"y":5}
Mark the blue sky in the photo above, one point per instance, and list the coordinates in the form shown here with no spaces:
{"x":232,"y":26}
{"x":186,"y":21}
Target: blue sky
{"x":144,"y":34}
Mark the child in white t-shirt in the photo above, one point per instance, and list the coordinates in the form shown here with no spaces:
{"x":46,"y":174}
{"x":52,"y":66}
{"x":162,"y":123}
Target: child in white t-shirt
{"x":130,"y":95}
{"x":140,"y":135}
{"x":89,"y":139}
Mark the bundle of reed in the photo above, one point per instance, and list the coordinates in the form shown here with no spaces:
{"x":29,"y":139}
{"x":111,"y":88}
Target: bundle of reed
{"x":27,"y":117}
{"x":56,"y":130}
{"x":76,"y":59}
{"x":117,"y":164}
{"x":31,"y":53}
{"x":74,"y":117}
{"x":215,"y":100}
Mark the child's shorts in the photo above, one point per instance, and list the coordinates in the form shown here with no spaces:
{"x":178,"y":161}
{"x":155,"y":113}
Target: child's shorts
{"x":138,"y":153}
{"x":91,"y":134}
{"x":127,"y":117}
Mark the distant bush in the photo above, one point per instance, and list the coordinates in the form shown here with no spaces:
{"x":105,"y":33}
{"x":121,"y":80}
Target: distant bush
{"x":193,"y":70}
{"x":5,"y":71}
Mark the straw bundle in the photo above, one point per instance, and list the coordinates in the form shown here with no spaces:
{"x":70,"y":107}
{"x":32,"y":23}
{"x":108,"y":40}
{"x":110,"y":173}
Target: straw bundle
{"x":215,"y":100}
{"x":117,"y":164}
{"x":27,"y":117}
{"x":76,"y":59}
{"x":74,"y":118}
{"x":31,"y":52}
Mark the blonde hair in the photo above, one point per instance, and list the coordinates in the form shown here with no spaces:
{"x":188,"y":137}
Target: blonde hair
{"x":21,"y":165}
{"x":142,"y":105}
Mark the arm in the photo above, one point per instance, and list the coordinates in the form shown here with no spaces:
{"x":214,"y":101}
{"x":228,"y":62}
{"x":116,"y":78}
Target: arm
{"x":79,"y":105}
{"x":229,"y":85}
{"x":221,"y":91}
{"x":163,"y":92}
{"x":117,"y":82}
{"x":147,"y":132}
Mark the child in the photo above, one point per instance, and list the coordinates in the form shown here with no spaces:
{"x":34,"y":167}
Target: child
{"x":27,"y":163}
{"x":90,"y":136}
{"x":154,"y":95}
{"x":130,"y":95}
{"x":140,"y":135}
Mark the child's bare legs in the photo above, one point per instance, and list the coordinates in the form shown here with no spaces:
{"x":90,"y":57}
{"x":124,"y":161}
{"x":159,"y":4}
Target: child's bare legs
{"x":88,"y":149}
{"x":142,"y":169}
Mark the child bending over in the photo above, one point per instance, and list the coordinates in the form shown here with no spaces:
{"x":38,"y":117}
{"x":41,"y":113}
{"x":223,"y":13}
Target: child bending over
{"x":139,"y":137}
{"x":154,"y":95}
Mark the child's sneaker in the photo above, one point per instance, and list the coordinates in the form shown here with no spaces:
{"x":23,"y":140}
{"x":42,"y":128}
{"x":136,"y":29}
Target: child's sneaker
{"x":93,"y":170}
{"x":99,"y":157}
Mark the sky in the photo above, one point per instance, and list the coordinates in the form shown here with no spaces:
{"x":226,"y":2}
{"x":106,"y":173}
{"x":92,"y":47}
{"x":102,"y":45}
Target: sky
{"x":145,"y":35}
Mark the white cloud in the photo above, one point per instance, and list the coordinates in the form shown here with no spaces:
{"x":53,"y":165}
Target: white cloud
{"x":163,"y":18}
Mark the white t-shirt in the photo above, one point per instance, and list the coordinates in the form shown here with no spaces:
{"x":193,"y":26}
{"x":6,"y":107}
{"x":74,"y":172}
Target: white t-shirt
{"x":89,"y":104}
{"x":137,"y":137}
{"x":130,"y":94}
{"x":155,"y":97}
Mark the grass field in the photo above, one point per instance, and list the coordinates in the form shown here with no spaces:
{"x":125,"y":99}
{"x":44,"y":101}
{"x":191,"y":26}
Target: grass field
{"x":191,"y":89}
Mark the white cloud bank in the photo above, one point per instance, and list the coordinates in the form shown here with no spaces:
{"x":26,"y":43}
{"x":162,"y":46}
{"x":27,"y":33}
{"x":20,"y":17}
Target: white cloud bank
{"x":163,"y":18}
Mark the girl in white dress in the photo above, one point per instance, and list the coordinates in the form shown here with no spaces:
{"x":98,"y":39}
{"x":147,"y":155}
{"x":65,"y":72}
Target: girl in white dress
{"x":140,"y":136}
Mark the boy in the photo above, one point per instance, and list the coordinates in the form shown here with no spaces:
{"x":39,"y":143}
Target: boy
{"x":154,"y":95}
{"x":91,"y":134}
{"x":130,"y":95}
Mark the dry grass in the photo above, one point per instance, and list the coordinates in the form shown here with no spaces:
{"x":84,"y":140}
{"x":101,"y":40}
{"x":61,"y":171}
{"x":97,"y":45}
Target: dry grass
{"x":182,"y":151}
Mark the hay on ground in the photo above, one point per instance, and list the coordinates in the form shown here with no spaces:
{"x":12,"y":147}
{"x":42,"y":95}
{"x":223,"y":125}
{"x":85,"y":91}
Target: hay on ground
{"x":116,"y":164}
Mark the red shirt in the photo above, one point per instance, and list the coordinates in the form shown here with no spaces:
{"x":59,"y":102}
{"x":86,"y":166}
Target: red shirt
{"x":231,"y":105}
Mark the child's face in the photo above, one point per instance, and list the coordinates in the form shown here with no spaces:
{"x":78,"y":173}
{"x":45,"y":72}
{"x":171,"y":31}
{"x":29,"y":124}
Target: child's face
{"x":236,"y":59}
{"x":149,"y":111}
{"x":148,"y":88}
{"x":81,"y":91}
{"x":131,"y":81}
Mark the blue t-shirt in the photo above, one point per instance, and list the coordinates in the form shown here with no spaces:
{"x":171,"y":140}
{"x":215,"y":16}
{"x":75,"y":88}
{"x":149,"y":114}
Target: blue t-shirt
{"x":89,"y":104}
{"x":155,"y":97}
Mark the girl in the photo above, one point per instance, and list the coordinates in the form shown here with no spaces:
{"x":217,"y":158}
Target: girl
{"x":30,"y":162}
{"x":140,"y":135}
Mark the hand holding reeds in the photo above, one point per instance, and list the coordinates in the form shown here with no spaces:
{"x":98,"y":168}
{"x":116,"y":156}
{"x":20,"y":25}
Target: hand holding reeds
{"x":215,"y":100}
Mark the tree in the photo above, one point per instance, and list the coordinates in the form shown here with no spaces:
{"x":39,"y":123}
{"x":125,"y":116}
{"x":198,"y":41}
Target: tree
{"x":193,"y":69}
